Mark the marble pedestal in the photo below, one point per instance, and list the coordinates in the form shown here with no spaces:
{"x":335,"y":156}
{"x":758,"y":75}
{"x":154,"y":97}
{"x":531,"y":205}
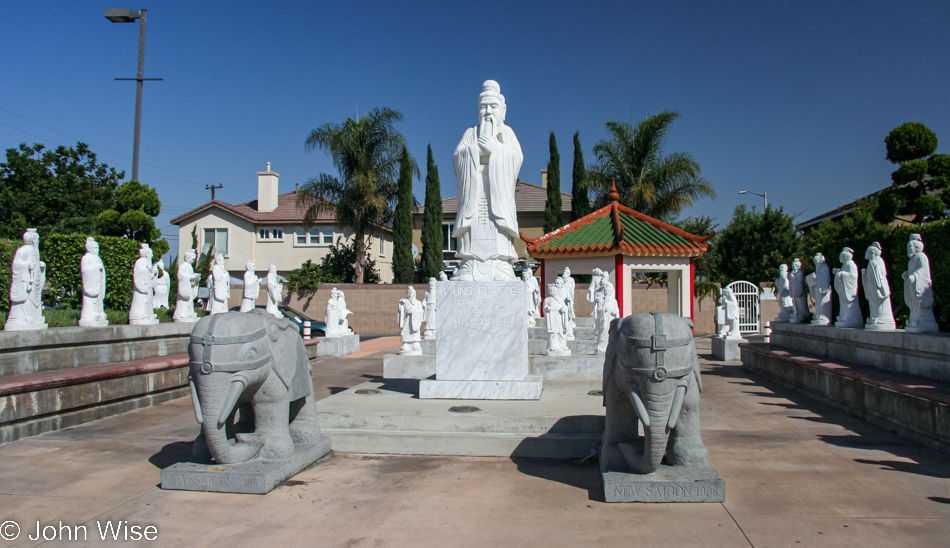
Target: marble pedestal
{"x":482,"y":350}
{"x":25,"y":326}
{"x":726,"y":349}
{"x":667,"y":484}
{"x":255,"y":478}
{"x":93,"y":323}
{"x":335,"y":347}
{"x":193,"y":319}
{"x":145,"y":321}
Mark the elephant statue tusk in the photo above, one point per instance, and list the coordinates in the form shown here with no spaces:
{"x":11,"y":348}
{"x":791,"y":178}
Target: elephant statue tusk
{"x":194,"y":400}
{"x":641,"y":409}
{"x":237,"y":388}
{"x":677,"y":406}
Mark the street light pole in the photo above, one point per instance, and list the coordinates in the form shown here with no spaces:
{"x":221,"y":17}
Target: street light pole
{"x":129,"y":16}
{"x":764,"y":195}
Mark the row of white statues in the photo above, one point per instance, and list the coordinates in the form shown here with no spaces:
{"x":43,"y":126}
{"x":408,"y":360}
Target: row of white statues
{"x":918,"y":291}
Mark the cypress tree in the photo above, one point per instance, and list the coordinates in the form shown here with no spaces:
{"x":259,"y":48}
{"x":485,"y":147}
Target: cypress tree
{"x":402,"y":223}
{"x":580,"y":201}
{"x":552,"y":209}
{"x":432,"y":223}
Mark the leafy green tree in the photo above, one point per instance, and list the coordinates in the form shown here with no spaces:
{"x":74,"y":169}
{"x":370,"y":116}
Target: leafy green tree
{"x":649,"y":182}
{"x":910,"y":145}
{"x":366,"y":154}
{"x":338,"y":264}
{"x":133,"y":217}
{"x":431,"y":263}
{"x":706,"y":275}
{"x":402,"y":222}
{"x":580,"y":200}
{"x":309,"y":277}
{"x":553,"y":218}
{"x":753,"y":244}
{"x":61,"y":190}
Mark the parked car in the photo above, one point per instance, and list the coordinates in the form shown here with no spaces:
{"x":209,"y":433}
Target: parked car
{"x":317,"y":328}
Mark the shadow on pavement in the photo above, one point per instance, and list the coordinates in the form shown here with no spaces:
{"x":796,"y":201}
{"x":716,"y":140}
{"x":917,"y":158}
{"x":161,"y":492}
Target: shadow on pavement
{"x":173,"y":453}
{"x":922,"y":460}
{"x":569,"y":472}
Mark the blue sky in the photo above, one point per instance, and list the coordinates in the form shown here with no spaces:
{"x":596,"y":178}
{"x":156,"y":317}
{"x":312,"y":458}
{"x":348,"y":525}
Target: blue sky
{"x":790,"y":98}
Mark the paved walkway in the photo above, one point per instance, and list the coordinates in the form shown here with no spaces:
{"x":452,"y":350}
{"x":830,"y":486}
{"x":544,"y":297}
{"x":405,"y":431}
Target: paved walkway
{"x":797,"y":474}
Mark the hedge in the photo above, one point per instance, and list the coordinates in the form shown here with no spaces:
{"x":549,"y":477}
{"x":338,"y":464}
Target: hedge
{"x":62,"y":254}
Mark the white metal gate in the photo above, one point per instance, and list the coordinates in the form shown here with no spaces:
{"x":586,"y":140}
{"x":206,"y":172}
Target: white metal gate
{"x":747,"y":294}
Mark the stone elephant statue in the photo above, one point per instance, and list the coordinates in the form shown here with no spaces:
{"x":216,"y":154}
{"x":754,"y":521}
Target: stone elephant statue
{"x":651,"y":376}
{"x":253,"y":364}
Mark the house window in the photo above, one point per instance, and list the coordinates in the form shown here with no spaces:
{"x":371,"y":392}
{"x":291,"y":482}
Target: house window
{"x":216,"y":238}
{"x":382,"y":246}
{"x":270,"y":234}
{"x":314,"y":236}
{"x":448,"y":242}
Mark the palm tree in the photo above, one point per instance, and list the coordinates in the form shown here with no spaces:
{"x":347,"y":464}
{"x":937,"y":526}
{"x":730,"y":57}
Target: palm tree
{"x":366,"y":153}
{"x":659,"y":186}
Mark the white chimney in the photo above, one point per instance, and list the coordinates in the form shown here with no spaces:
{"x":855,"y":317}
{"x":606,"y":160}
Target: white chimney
{"x":544,"y":178}
{"x":267,"y":190}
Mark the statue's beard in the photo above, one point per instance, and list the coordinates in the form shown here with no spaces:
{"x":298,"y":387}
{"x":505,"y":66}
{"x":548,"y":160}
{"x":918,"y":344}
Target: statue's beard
{"x":487,"y":126}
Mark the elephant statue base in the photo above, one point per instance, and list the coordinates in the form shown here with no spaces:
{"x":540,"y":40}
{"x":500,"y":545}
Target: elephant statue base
{"x":652,"y":377}
{"x":253,"y":397}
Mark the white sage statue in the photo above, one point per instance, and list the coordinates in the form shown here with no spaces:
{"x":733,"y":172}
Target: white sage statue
{"x":140,"y":312}
{"x":796,"y":287}
{"x":487,"y":161}
{"x":918,"y":289}
{"x":555,"y":314}
{"x":220,"y":286}
{"x":410,"y":323}
{"x":783,"y":292}
{"x":607,"y":311}
{"x":93,"y":287}
{"x":846,"y":285}
{"x":187,"y":289}
{"x":163,"y":284}
{"x":275,"y":290}
{"x":593,"y":289}
{"x":819,"y":282}
{"x":336,"y":315}
{"x":428,"y":302}
{"x":567,"y":295}
{"x":26,"y":286}
{"x":532,"y":294}
{"x":878,"y":291}
{"x":252,"y":287}
{"x":728,"y":315}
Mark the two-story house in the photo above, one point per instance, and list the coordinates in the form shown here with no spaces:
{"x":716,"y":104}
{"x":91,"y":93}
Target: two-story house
{"x":270,"y":230}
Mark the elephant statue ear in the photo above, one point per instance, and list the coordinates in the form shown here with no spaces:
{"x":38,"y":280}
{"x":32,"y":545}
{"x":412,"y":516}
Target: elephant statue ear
{"x":610,"y":357}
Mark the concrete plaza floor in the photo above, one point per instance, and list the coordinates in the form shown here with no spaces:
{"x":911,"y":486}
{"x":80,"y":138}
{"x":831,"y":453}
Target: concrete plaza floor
{"x":797,"y":473}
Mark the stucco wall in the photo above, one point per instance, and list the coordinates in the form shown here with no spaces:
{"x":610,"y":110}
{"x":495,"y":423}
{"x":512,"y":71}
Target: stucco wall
{"x":374,"y":306}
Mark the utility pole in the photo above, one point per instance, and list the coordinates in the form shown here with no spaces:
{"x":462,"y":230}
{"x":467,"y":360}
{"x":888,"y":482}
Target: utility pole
{"x":212,"y":188}
{"x":129,"y":16}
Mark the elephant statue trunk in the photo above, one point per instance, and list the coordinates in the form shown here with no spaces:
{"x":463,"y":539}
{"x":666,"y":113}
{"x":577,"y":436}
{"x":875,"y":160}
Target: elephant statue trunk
{"x":651,"y":376}
{"x":215,"y":420}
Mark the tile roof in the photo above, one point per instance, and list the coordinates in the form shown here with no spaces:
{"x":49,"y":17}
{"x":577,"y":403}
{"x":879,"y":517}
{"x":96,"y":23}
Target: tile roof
{"x":615,"y":229}
{"x":287,"y":210}
{"x":529,"y":198}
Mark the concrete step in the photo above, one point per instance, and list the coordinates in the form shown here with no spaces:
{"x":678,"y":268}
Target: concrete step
{"x":580,"y":321}
{"x":559,"y":368}
{"x":912,"y":406}
{"x":565,"y":422}
{"x":582,"y":333}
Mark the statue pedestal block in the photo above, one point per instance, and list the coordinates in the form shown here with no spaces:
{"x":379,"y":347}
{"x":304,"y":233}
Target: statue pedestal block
{"x":667,"y":484}
{"x":93,"y":323}
{"x":256,"y":477}
{"x":482,"y":350}
{"x":726,"y":349}
{"x":335,"y":347}
{"x":24,"y":326}
{"x":146,"y":321}
{"x":193,"y":319}
{"x":527,"y":389}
